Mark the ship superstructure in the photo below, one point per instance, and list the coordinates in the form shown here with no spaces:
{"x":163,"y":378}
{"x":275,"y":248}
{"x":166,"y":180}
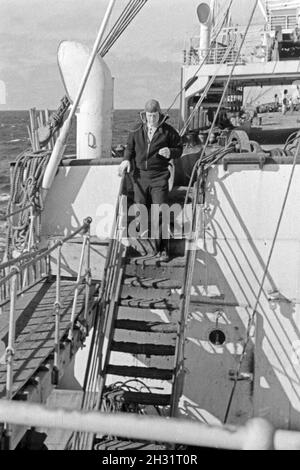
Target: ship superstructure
{"x":265,"y":54}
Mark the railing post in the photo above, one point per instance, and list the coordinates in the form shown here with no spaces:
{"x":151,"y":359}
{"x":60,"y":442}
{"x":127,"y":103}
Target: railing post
{"x":10,"y":350}
{"x":57,"y":310}
{"x":72,"y":321}
{"x":88,"y":276}
{"x":2,"y":290}
{"x":73,"y":314}
{"x":11,"y":335}
{"x":30,"y":238}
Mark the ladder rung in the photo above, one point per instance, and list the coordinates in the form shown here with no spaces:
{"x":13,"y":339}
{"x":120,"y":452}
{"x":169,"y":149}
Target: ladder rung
{"x":147,"y":349}
{"x":143,"y":372}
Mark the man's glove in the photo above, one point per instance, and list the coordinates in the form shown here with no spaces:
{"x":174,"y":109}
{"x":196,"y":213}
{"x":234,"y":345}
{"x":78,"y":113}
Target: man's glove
{"x":165,"y":152}
{"x":124,"y":167}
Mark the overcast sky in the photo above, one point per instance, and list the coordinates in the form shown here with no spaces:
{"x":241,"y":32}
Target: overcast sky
{"x":145,"y":61}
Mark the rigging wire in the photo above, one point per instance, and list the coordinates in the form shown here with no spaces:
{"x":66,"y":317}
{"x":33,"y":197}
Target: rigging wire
{"x":228,"y":82}
{"x":260,"y":95}
{"x":206,"y":90}
{"x":126,"y":17}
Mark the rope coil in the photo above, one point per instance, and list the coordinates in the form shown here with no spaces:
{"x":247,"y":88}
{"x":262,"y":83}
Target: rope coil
{"x":25,"y":200}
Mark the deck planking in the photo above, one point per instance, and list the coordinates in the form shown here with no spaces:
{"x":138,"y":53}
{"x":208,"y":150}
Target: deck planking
{"x":35,"y":327}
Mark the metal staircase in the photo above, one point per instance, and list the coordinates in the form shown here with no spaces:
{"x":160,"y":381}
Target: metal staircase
{"x":139,"y":335}
{"x":139,"y":372}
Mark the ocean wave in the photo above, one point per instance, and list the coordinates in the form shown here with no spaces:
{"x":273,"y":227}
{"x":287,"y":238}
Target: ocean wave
{"x":2,"y":219}
{"x":4,"y":197}
{"x":13,"y":140}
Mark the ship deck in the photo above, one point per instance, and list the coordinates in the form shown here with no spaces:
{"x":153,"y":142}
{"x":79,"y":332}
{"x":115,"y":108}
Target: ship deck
{"x":35,"y":331}
{"x":275,"y":128}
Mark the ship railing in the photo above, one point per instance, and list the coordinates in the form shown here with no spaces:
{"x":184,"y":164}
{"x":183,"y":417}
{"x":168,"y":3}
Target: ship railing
{"x":282,"y":21}
{"x":191,"y":244}
{"x":194,"y":55}
{"x":256,"y":434}
{"x":25,"y":277}
{"x":94,"y":382}
{"x":216,"y":55}
{"x":213,"y":55}
{"x":39,"y":264}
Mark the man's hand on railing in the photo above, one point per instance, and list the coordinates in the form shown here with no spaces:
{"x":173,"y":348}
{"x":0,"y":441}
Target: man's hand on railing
{"x":124,"y":167}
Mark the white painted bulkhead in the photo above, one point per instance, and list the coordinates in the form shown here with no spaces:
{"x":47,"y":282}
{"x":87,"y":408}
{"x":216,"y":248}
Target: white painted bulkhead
{"x":95,"y":112}
{"x":80,"y":190}
{"x":242,"y":211}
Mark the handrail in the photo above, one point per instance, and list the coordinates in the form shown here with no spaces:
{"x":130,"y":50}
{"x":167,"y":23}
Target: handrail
{"x":256,"y":434}
{"x":57,"y":306}
{"x":11,"y":214}
{"x":186,"y":291}
{"x":21,"y":258}
{"x":37,"y":256}
{"x":94,"y":379}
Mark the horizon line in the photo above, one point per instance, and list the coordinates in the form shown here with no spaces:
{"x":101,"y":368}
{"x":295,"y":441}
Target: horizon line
{"x":54,"y":109}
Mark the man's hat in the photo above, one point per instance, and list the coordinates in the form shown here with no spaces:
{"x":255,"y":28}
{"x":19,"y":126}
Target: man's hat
{"x":152,"y":106}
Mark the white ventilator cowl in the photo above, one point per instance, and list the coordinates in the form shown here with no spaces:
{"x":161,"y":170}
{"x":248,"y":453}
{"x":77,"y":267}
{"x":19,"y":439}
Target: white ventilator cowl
{"x":95,"y":111}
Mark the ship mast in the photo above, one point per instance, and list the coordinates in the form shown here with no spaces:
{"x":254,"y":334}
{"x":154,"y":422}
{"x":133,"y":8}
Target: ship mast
{"x":263,"y":9}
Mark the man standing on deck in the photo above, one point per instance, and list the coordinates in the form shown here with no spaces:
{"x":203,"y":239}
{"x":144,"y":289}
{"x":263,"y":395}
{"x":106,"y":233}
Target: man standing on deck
{"x":285,"y":102}
{"x":148,"y":153}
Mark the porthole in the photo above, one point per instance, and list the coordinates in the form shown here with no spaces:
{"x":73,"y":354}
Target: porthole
{"x":217,"y":337}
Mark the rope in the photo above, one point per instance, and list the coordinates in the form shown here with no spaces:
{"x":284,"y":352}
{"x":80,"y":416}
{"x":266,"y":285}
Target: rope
{"x":25,"y":199}
{"x":251,"y":320}
{"x":126,"y":17}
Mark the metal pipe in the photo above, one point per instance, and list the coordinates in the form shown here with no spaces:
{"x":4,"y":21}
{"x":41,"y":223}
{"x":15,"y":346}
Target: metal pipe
{"x":72,"y":321}
{"x":30,"y":238}
{"x":186,"y":292}
{"x":18,"y":211}
{"x":24,"y":257}
{"x":88,"y":276}
{"x":205,"y":19}
{"x":11,"y":337}
{"x":257,"y":433}
{"x":42,"y":253}
{"x":57,"y":309}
